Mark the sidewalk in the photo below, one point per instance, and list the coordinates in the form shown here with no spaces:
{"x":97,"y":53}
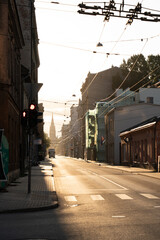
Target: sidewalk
{"x":134,"y":170}
{"x":43,"y":195}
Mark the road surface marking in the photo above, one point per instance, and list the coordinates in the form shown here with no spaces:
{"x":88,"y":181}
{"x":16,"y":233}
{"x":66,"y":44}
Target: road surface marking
{"x":123,"y":196}
{"x":70,"y":198}
{"x":53,"y":185}
{"x":97,"y":197}
{"x":118,"y":216}
{"x":150,"y":196}
{"x":108,"y":180}
{"x":157,"y":206}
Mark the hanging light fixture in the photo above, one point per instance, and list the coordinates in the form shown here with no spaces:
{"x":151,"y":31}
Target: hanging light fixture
{"x":99,"y":45}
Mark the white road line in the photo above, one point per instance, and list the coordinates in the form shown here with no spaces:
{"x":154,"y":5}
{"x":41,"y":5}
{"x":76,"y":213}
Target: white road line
{"x":150,"y":196}
{"x":70,"y":198}
{"x":157,"y":206}
{"x":123,"y":196}
{"x":97,"y":197}
{"x":118,"y":216}
{"x":53,"y":184}
{"x":108,"y":180}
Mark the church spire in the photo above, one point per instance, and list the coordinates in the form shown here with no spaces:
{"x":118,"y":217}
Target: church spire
{"x":52,"y":132}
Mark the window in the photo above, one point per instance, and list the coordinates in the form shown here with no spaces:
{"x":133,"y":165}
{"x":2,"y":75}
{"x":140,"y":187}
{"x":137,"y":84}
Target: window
{"x":149,"y":99}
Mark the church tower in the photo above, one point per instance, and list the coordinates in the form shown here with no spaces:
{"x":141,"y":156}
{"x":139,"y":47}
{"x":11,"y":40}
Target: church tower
{"x":52,"y":133}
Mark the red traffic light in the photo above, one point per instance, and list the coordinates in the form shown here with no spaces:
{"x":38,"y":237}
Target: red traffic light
{"x":24,"y":114}
{"x":32,"y":107}
{"x":24,"y":118}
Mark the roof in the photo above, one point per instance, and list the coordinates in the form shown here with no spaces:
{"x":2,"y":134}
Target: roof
{"x":145,"y":124}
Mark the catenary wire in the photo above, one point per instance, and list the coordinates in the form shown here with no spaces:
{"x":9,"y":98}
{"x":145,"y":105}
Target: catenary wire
{"x":105,"y":59}
{"x":130,"y":88}
{"x":112,"y":108}
{"x":127,"y":74}
{"x":81,"y":118}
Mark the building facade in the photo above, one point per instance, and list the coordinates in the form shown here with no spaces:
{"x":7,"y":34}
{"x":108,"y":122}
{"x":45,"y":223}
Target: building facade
{"x":11,"y":42}
{"x":121,"y":118}
{"x":140,"y":144}
{"x":96,"y":87}
{"x":18,"y":65}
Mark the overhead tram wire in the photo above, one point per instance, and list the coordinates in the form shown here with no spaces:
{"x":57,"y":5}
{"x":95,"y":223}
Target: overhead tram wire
{"x":144,"y":89}
{"x":102,"y":31}
{"x":134,"y":85}
{"x":102,"y":100}
{"x":57,"y":10}
{"x":123,"y":97}
{"x":136,"y":39}
{"x":122,"y":94}
{"x":93,"y":51}
{"x":111,"y":101}
{"x":57,"y":3}
{"x":127,"y":74}
{"x":55,"y":113}
{"x":85,"y":50}
{"x":123,"y":11}
{"x":98,"y":116}
{"x":130,"y":94}
{"x":64,"y":103}
{"x":72,"y":5}
{"x":82,"y":127}
{"x":98,"y":73}
{"x":113,"y":41}
{"x":105,"y":59}
{"x":107,"y":109}
{"x":103,"y":53}
{"x":107,"y":54}
{"x":103,"y":112}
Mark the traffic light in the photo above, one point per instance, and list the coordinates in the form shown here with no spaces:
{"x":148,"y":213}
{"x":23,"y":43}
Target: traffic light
{"x":24,"y":118}
{"x":33,"y":116}
{"x":39,"y":120}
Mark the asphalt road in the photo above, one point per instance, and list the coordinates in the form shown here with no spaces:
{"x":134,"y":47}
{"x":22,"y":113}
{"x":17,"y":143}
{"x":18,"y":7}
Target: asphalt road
{"x":95,"y":202}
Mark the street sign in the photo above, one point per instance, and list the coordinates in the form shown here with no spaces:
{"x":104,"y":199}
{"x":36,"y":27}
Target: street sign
{"x":38,"y":141}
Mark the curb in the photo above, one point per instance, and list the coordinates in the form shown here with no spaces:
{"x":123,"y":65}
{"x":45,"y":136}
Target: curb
{"x":34,"y":209}
{"x":129,"y":170}
{"x":42,"y":207}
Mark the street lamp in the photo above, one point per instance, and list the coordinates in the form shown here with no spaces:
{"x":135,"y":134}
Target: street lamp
{"x":99,"y":44}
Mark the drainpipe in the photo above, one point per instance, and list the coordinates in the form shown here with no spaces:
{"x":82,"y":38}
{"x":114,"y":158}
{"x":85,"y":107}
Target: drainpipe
{"x":130,"y":140}
{"x":154,"y":144}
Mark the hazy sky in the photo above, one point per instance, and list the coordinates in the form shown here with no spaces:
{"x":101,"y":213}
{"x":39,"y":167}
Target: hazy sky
{"x":67,"y":41}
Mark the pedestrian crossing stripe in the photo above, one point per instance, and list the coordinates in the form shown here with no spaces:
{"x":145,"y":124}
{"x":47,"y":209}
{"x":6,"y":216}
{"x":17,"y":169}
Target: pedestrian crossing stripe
{"x":97,"y":197}
{"x":70,"y":198}
{"x":123,"y":196}
{"x":150,"y":196}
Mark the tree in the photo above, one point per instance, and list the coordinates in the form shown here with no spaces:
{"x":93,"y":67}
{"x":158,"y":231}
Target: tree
{"x":137,"y":72}
{"x":46,"y":142}
{"x":154,"y":63}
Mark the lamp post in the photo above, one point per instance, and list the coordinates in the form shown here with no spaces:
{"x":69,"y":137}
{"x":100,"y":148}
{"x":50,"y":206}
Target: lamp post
{"x":29,"y":131}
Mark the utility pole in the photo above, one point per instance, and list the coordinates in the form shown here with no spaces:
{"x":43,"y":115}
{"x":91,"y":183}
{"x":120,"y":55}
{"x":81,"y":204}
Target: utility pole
{"x":30,"y":99}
